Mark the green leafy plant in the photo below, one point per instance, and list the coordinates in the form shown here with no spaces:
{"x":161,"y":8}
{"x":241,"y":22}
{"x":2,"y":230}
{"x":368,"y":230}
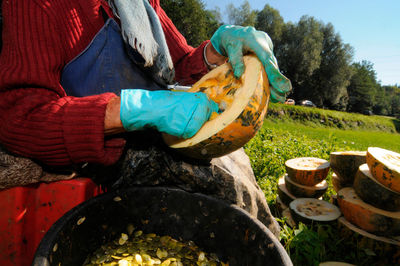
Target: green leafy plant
{"x":289,"y":137}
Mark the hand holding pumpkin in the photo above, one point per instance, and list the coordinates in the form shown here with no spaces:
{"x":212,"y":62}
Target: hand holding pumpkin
{"x":234,"y":41}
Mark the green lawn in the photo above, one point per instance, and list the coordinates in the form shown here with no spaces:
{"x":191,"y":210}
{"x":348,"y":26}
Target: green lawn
{"x":353,"y":139}
{"x":284,"y":137}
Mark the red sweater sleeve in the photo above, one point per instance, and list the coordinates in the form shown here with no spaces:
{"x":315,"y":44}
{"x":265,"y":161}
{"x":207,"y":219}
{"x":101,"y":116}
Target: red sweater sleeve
{"x":37,"y":119}
{"x":188,"y":61}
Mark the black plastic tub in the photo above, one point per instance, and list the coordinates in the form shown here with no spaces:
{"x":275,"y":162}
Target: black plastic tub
{"x":214,"y":226}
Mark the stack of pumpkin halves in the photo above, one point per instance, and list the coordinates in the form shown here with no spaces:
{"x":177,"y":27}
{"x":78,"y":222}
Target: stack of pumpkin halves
{"x":300,"y":189}
{"x":368,"y":189}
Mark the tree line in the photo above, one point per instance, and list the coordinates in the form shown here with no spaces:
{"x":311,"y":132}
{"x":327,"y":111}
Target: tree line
{"x":309,"y":52}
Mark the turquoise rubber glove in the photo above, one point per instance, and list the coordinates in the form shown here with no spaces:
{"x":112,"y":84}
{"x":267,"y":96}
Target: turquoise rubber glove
{"x":234,"y":41}
{"x":180,"y":114}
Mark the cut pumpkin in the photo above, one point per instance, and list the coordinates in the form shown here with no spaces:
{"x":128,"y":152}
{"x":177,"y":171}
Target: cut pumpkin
{"x":345,"y":164}
{"x":308,"y":210}
{"x":302,"y":191}
{"x":243,"y":103}
{"x":280,"y":205}
{"x":366,"y":216}
{"x":337,"y":183}
{"x":373,"y":192}
{"x":283,"y":193}
{"x":385,"y":167}
{"x":307,"y":171}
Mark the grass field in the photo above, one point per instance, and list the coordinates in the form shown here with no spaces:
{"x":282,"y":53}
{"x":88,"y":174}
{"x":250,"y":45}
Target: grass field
{"x":352,"y":139}
{"x":316,"y":117}
{"x":285,"y":137}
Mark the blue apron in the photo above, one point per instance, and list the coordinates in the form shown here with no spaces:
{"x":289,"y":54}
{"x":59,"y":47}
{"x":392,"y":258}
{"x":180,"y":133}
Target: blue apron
{"x":106,"y":65}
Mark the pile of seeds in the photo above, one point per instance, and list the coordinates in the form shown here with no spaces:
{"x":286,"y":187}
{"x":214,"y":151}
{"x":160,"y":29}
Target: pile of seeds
{"x":137,"y":248}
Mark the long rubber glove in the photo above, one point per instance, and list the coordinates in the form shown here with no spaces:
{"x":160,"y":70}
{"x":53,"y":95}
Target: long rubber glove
{"x":234,"y":41}
{"x":176,"y":113}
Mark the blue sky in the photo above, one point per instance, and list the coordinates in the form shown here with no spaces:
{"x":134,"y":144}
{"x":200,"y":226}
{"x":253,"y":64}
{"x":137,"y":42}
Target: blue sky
{"x":371,"y":27}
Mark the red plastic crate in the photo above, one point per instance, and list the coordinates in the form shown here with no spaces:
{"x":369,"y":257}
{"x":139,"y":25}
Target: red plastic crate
{"x":26,"y":213}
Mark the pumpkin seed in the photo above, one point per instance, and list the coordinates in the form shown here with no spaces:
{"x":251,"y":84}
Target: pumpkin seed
{"x":138,"y":233}
{"x":130,"y":228}
{"x":81,"y":220}
{"x":138,"y":258}
{"x":150,"y":249}
{"x":123,"y":263}
{"x":117,"y":198}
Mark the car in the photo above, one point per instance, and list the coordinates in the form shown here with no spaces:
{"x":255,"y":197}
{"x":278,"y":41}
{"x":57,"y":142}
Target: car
{"x":307,"y":103}
{"x":290,"y":102}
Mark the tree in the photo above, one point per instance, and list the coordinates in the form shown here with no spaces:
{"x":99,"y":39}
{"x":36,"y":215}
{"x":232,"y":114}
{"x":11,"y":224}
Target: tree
{"x":299,"y":54}
{"x":243,"y":16}
{"x":214,"y":21}
{"x":330,"y":80}
{"x":387,"y":101}
{"x":270,"y":21}
{"x":362,"y":88}
{"x":396,"y":104}
{"x":192,"y":20}
{"x":383,"y":104}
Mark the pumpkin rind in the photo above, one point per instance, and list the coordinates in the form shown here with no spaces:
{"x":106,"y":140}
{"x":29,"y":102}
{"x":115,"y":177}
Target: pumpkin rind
{"x":385,"y":167}
{"x":240,"y":121}
{"x":302,"y":191}
{"x":366,"y":216}
{"x":307,"y":171}
{"x":285,"y":196}
{"x":337,"y":183}
{"x":345,"y":164}
{"x":373,"y":192}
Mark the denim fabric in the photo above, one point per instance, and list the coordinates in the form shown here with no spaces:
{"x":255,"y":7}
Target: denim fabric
{"x":106,"y":65}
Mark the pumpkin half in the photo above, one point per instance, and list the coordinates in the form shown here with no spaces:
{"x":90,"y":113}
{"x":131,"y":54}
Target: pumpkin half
{"x":285,"y":196}
{"x":385,"y":167}
{"x":338,"y":184}
{"x":373,"y":192}
{"x":243,"y":104}
{"x":366,"y":216}
{"x":302,"y":191}
{"x":307,"y":171}
{"x":308,"y":210}
{"x":345,"y":164}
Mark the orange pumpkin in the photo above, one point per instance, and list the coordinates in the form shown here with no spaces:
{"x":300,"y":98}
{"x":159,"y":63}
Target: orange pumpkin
{"x":385,"y":167}
{"x":366,"y":216}
{"x":373,"y":192}
{"x":243,"y":102}
{"x":302,"y":191}
{"x":307,"y":171}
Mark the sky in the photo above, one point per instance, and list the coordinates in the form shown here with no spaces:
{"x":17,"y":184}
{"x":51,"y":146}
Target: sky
{"x":371,"y":27}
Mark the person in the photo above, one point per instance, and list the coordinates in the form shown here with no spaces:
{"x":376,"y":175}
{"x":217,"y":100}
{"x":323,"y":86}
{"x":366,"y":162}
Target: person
{"x":76,"y":74}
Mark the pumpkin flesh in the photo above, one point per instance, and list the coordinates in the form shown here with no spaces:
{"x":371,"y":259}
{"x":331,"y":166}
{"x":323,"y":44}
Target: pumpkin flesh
{"x":385,"y":167}
{"x":307,"y":171}
{"x":366,"y":216}
{"x":243,"y":103}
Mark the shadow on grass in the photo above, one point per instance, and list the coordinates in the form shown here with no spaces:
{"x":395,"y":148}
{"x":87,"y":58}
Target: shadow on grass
{"x":396,"y":123}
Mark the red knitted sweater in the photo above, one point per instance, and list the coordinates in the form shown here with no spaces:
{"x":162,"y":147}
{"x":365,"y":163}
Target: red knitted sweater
{"x":37,"y":119}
